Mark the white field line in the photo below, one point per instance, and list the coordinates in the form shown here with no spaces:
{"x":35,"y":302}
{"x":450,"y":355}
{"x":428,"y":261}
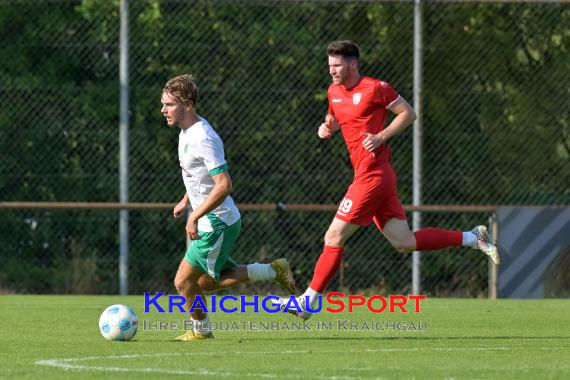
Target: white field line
{"x":73,"y":363}
{"x":67,"y":364}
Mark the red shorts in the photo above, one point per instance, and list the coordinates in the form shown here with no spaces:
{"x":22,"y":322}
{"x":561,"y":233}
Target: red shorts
{"x":372,"y":198}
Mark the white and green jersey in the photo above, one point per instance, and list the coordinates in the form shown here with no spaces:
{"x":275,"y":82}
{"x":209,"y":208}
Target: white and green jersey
{"x":201,"y":155}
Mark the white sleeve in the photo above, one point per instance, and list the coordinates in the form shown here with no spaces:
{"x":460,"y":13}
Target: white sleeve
{"x":211,"y":150}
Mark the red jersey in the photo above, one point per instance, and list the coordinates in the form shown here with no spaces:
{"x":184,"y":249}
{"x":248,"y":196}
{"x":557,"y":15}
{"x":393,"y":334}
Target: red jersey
{"x":362,"y":108}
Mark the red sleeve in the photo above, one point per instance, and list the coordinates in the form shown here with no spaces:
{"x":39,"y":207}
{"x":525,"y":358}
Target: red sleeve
{"x":384,"y":93}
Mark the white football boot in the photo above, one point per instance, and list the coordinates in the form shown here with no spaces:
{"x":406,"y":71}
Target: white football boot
{"x":486,"y":245}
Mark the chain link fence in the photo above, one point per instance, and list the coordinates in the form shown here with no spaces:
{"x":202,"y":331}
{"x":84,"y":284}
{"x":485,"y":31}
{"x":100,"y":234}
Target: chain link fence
{"x":496,"y":130}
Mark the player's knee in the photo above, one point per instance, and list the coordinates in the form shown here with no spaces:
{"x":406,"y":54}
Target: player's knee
{"x":182,"y":285}
{"x":403,"y":247}
{"x":206,"y":284}
{"x":178,"y":284}
{"x":333,"y":237}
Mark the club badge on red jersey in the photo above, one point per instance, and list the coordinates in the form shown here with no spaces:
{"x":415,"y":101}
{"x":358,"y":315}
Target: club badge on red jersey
{"x":356,"y":98}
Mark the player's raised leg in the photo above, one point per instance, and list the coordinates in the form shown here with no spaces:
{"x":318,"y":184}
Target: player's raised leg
{"x":278,"y":270}
{"x":404,"y":240}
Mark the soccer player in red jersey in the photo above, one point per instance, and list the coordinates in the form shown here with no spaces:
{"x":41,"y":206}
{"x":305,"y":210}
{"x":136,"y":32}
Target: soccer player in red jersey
{"x":358,"y":107}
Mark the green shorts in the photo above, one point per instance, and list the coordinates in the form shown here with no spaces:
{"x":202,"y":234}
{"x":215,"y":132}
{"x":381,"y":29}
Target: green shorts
{"x":211,"y":254}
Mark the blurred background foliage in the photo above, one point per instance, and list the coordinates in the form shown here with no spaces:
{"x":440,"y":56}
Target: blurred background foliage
{"x":496,"y":129}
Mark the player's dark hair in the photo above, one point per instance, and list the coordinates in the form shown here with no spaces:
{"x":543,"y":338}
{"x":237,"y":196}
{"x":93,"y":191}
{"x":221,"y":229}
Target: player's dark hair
{"x":183,"y":88}
{"x":344,"y":48}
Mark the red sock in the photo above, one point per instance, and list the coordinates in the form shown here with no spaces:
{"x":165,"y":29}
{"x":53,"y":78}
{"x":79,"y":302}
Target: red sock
{"x":429,"y":239}
{"x":327,"y":266}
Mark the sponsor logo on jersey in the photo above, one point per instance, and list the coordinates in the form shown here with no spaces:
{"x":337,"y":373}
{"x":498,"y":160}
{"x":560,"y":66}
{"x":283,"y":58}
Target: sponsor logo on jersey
{"x":356,"y":98}
{"x":337,"y":100}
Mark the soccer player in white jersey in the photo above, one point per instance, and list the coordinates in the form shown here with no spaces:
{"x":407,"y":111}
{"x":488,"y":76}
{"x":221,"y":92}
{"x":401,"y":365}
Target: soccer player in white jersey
{"x":214,"y":221}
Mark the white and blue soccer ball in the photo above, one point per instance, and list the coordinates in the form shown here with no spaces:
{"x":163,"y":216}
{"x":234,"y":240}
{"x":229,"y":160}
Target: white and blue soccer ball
{"x":118,"y":323}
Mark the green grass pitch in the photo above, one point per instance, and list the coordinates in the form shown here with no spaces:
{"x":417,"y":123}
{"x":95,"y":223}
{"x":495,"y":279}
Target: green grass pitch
{"x":57,"y":337}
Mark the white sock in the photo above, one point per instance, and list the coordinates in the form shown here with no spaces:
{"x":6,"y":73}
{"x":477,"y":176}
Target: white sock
{"x":469,"y":239}
{"x":202,"y":327}
{"x":313,"y":297}
{"x":257,"y":272}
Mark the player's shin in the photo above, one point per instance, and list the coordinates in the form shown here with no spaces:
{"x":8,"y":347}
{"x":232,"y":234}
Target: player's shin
{"x":430,"y":239}
{"x":327,"y":265}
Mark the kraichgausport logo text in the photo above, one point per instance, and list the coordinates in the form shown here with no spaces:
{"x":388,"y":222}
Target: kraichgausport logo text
{"x":337,"y":303}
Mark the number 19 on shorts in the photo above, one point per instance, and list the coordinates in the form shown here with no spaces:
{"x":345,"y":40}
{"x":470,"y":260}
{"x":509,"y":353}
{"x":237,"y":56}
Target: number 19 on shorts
{"x":345,"y":206}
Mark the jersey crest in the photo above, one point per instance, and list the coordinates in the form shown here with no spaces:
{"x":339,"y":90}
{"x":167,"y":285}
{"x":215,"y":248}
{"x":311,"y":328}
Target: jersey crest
{"x":356,"y":98}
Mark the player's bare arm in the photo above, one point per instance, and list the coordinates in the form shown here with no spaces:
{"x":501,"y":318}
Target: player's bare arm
{"x":405,"y":116}
{"x":222,"y":188}
{"x":181,"y":206}
{"x":329,"y":127}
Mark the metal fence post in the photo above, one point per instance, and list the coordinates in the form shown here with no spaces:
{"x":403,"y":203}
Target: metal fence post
{"x":417,"y":160}
{"x":124,"y":149}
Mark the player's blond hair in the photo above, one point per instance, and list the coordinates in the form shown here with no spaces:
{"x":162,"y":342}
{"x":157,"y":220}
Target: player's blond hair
{"x":183,"y":89}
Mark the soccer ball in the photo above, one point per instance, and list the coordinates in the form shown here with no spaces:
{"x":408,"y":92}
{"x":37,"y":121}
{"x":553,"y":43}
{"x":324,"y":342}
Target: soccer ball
{"x":118,"y":323}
